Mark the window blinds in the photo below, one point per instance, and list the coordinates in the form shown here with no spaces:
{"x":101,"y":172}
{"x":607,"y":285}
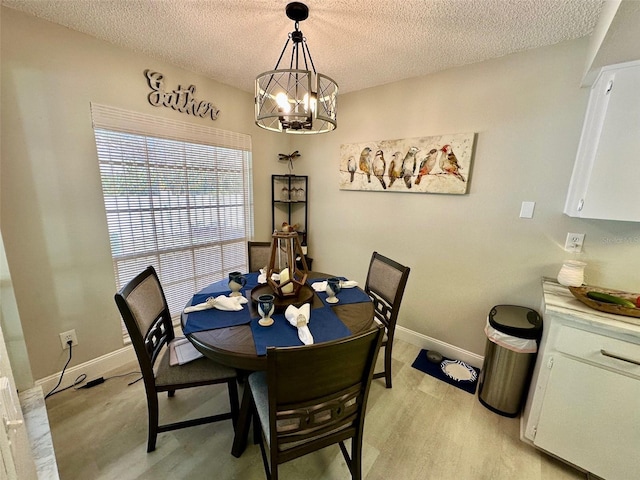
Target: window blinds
{"x":177,"y":196}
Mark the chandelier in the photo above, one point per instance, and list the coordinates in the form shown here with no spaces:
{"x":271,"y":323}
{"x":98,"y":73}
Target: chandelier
{"x":296,"y":100}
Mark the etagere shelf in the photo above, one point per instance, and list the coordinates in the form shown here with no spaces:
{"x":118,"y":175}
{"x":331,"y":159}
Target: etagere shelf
{"x":289,"y":195}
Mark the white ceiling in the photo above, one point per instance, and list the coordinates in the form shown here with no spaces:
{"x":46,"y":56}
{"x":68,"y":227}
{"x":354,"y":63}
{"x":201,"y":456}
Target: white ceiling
{"x":359,"y":43}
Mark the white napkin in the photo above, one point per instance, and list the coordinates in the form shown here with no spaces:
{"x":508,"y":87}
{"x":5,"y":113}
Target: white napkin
{"x":299,"y":318}
{"x":322,"y":286}
{"x":262,"y":278}
{"x":221,"y":302}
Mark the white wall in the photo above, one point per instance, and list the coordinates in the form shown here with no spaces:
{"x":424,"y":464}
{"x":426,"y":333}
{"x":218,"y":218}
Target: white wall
{"x":467,"y":253}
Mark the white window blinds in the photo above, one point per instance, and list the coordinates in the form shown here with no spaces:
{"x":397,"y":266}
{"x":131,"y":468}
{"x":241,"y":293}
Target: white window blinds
{"x":177,"y":196}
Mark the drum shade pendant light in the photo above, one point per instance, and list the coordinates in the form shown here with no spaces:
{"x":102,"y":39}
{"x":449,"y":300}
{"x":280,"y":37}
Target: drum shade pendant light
{"x":296,"y":99}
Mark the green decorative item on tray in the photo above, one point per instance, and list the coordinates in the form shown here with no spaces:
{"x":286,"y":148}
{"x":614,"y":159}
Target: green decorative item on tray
{"x":582,"y":294}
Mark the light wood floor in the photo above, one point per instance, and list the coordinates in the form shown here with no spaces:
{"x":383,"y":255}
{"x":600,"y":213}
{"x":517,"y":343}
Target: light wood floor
{"x":422,"y":428}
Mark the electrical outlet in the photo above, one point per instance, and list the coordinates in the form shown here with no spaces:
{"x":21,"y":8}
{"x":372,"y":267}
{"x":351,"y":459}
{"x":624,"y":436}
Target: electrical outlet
{"x":68,"y":336}
{"x":574,"y":242}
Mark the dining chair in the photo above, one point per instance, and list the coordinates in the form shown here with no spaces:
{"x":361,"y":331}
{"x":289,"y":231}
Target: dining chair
{"x":386,"y":280}
{"x":145,"y":312}
{"x":258,"y":253}
{"x":314,"y":396}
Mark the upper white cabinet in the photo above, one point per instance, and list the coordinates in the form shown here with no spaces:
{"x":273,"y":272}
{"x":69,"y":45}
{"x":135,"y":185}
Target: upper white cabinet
{"x":606,"y":176}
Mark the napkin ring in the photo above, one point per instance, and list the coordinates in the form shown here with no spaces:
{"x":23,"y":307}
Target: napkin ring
{"x":301,"y":321}
{"x":211,"y":301}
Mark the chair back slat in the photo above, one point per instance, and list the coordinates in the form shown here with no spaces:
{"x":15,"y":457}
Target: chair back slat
{"x":319,"y":417}
{"x":382,"y":310}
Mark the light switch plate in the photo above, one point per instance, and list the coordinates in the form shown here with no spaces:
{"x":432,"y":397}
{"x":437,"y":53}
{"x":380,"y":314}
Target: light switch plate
{"x":526,"y":211}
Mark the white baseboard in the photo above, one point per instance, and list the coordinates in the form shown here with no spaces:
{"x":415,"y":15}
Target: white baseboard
{"x":99,"y":366}
{"x":447,"y":350}
{"x":92,"y":369}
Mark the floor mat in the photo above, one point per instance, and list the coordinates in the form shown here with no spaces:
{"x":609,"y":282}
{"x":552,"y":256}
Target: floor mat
{"x":454,"y":372}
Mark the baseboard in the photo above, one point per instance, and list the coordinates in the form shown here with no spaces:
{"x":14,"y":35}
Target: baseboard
{"x":99,"y":366}
{"x":447,"y":350}
{"x":94,"y":368}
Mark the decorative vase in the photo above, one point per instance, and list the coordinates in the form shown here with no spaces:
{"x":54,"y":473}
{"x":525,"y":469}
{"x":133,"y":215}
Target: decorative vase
{"x":572,"y":273}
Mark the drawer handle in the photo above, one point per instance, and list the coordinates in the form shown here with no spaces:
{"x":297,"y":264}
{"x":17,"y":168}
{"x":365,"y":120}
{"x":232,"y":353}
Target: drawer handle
{"x":613,"y":355}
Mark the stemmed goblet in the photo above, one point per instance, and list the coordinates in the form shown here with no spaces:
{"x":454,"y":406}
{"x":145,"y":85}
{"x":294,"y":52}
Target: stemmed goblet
{"x":236,"y":282}
{"x":333,"y":288}
{"x":265,"y":309}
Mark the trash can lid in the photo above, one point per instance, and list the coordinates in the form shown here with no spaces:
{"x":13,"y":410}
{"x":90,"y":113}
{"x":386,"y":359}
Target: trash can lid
{"x":514,"y":320}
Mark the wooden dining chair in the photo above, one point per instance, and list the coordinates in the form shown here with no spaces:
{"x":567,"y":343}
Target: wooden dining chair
{"x":314,"y":396}
{"x":386,"y":280}
{"x":258,"y":255}
{"x":144,"y":309}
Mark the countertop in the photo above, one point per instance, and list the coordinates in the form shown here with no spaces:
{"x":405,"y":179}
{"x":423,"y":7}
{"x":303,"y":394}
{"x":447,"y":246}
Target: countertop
{"x":558,"y":299}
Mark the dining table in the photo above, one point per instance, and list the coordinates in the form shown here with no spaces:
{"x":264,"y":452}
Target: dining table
{"x":236,"y":339}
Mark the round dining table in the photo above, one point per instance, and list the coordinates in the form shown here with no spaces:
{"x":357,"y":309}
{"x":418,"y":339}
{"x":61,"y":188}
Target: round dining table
{"x":234,"y":346}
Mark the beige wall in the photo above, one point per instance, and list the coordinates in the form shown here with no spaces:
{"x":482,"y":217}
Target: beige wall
{"x":467,"y":253}
{"x":52,"y":212}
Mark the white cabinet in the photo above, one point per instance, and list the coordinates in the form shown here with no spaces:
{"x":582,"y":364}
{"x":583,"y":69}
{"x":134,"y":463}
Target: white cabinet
{"x":606,"y":173}
{"x":583,"y":404}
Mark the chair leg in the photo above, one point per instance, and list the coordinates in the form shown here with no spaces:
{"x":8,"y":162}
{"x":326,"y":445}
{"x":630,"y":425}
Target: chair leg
{"x":353,"y":460}
{"x":257,"y":429}
{"x":258,"y":437}
{"x":233,"y":401}
{"x":244,"y":423}
{"x":356,"y":457}
{"x":387,"y":364}
{"x":152,"y":409}
{"x":272,"y":474}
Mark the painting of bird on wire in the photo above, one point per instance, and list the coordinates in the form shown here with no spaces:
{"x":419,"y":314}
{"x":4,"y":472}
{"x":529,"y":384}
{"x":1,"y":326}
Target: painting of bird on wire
{"x":435,"y":164}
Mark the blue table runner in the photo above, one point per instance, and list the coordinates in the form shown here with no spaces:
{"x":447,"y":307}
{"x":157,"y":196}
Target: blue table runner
{"x":346,"y":295}
{"x":323,"y":324}
{"x":221,"y":287}
{"x":214,"y":318}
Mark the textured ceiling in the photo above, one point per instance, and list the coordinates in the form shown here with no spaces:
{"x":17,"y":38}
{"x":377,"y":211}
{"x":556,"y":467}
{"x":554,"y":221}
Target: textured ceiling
{"x":359,"y":43}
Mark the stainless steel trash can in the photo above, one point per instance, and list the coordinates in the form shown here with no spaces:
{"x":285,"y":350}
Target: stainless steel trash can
{"x":513,"y":334}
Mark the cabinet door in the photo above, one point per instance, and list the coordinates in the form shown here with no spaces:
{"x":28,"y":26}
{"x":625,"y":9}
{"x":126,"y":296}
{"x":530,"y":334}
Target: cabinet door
{"x":605,"y":179}
{"x":590,"y":417}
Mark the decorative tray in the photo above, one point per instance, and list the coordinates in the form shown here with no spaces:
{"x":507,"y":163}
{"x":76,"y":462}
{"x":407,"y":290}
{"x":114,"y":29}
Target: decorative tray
{"x":581,"y":294}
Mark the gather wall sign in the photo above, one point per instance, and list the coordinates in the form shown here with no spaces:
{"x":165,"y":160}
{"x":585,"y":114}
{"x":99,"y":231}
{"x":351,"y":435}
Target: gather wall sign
{"x":180,"y":99}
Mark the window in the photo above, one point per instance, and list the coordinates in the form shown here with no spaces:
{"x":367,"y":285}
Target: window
{"x":177,"y":196}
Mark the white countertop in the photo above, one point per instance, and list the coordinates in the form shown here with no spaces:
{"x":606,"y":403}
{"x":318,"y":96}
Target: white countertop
{"x":559,"y":299}
{"x":36,"y":419}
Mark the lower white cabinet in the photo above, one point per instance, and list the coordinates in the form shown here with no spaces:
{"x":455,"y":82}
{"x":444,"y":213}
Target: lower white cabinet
{"x":584,"y":402}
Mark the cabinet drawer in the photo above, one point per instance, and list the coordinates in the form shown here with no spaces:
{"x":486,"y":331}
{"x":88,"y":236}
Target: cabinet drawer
{"x":601,"y":350}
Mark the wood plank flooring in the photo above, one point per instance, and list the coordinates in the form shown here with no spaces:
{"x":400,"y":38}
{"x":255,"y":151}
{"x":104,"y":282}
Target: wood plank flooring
{"x":422,"y":428}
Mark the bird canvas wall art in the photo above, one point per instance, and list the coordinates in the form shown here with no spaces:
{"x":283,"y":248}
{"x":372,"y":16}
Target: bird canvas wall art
{"x":433,"y":164}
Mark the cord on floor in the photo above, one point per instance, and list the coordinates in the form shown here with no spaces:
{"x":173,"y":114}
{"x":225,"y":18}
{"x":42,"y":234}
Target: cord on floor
{"x":77,"y":381}
{"x":100,"y":380}
{"x":81,"y":378}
